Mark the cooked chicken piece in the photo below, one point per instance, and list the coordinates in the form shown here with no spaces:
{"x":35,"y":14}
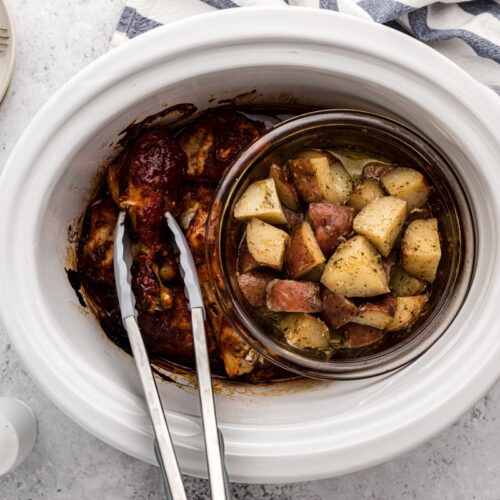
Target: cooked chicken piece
{"x":238,"y":357}
{"x":262,"y":370}
{"x":213,"y":142}
{"x":95,"y":252}
{"x":169,"y":333}
{"x":195,"y":234}
{"x":150,"y":294}
{"x":154,"y":168}
{"x":116,"y":179}
{"x":147,"y":180}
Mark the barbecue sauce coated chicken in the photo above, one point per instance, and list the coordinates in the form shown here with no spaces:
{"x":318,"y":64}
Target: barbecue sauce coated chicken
{"x":156,"y":173}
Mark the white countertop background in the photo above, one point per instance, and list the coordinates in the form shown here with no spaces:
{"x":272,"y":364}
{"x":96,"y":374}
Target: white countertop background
{"x":56,"y":38}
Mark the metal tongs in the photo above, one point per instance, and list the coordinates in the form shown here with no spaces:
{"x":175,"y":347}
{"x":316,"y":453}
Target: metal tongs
{"x":164,"y":449}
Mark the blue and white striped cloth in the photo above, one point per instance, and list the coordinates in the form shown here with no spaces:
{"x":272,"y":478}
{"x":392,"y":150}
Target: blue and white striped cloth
{"x":467,"y":32}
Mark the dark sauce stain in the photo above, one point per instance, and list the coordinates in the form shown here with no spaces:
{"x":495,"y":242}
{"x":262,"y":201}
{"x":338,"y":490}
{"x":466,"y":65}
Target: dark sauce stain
{"x":237,"y":100}
{"x":74,"y":281}
{"x":162,"y":375}
{"x":184,"y":111}
{"x":116,"y":333}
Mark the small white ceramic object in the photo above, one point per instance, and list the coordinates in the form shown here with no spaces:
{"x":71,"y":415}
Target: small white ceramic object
{"x":288,"y":432}
{"x":7,"y":59}
{"x":17,"y":433}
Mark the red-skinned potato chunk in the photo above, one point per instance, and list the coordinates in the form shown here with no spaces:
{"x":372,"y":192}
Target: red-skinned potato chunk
{"x":253,"y":286}
{"x":304,"y":178}
{"x":356,"y":270}
{"x":305,"y":331}
{"x":405,"y":285}
{"x":408,"y":310}
{"x":421,"y":249}
{"x":364,"y":193}
{"x":261,"y":200}
{"x":381,"y":221}
{"x":293,"y":296}
{"x":266,"y":244}
{"x":303,"y":253}
{"x":378,"y":313}
{"x":319,"y":176}
{"x":286,"y":190}
{"x":360,"y":335}
{"x":332,"y":224}
{"x":245,"y":262}
{"x":407,"y":184}
{"x":337,"y":310}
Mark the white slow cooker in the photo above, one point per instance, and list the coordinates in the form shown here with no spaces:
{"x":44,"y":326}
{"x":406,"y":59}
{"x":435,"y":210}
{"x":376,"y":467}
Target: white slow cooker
{"x":284,"y":432}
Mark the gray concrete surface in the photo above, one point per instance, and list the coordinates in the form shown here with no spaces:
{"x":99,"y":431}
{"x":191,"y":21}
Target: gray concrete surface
{"x":56,"y":39}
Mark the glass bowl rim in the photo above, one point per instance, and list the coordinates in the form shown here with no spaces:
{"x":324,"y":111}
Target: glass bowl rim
{"x":388,"y":360}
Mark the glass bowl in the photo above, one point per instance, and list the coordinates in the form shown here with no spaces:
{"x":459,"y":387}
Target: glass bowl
{"x":380,"y":137}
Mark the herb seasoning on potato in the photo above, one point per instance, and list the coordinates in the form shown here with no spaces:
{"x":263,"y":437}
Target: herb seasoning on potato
{"x":342,"y":256}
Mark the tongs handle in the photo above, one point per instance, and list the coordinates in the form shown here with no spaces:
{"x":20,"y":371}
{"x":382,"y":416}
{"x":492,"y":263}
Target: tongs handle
{"x":214,"y":442}
{"x":164,"y":449}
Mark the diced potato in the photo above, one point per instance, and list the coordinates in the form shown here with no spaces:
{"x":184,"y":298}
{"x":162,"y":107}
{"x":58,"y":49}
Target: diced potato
{"x":408,"y":310}
{"x":356,"y":270}
{"x":337,"y":310}
{"x":304,"y":178}
{"x":356,"y":335}
{"x":421,"y":249}
{"x":320,"y":177}
{"x":245,"y":260}
{"x":377,"y":314}
{"x":332,"y":223}
{"x":303,"y":253}
{"x":381,"y":222}
{"x":261,"y":200}
{"x":253,"y":285}
{"x":293,"y":296}
{"x":364,"y":193}
{"x":266,"y":244}
{"x":335,"y":183}
{"x":405,"y":285}
{"x":407,"y":184}
{"x":305,"y":331}
{"x":286,"y":190}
